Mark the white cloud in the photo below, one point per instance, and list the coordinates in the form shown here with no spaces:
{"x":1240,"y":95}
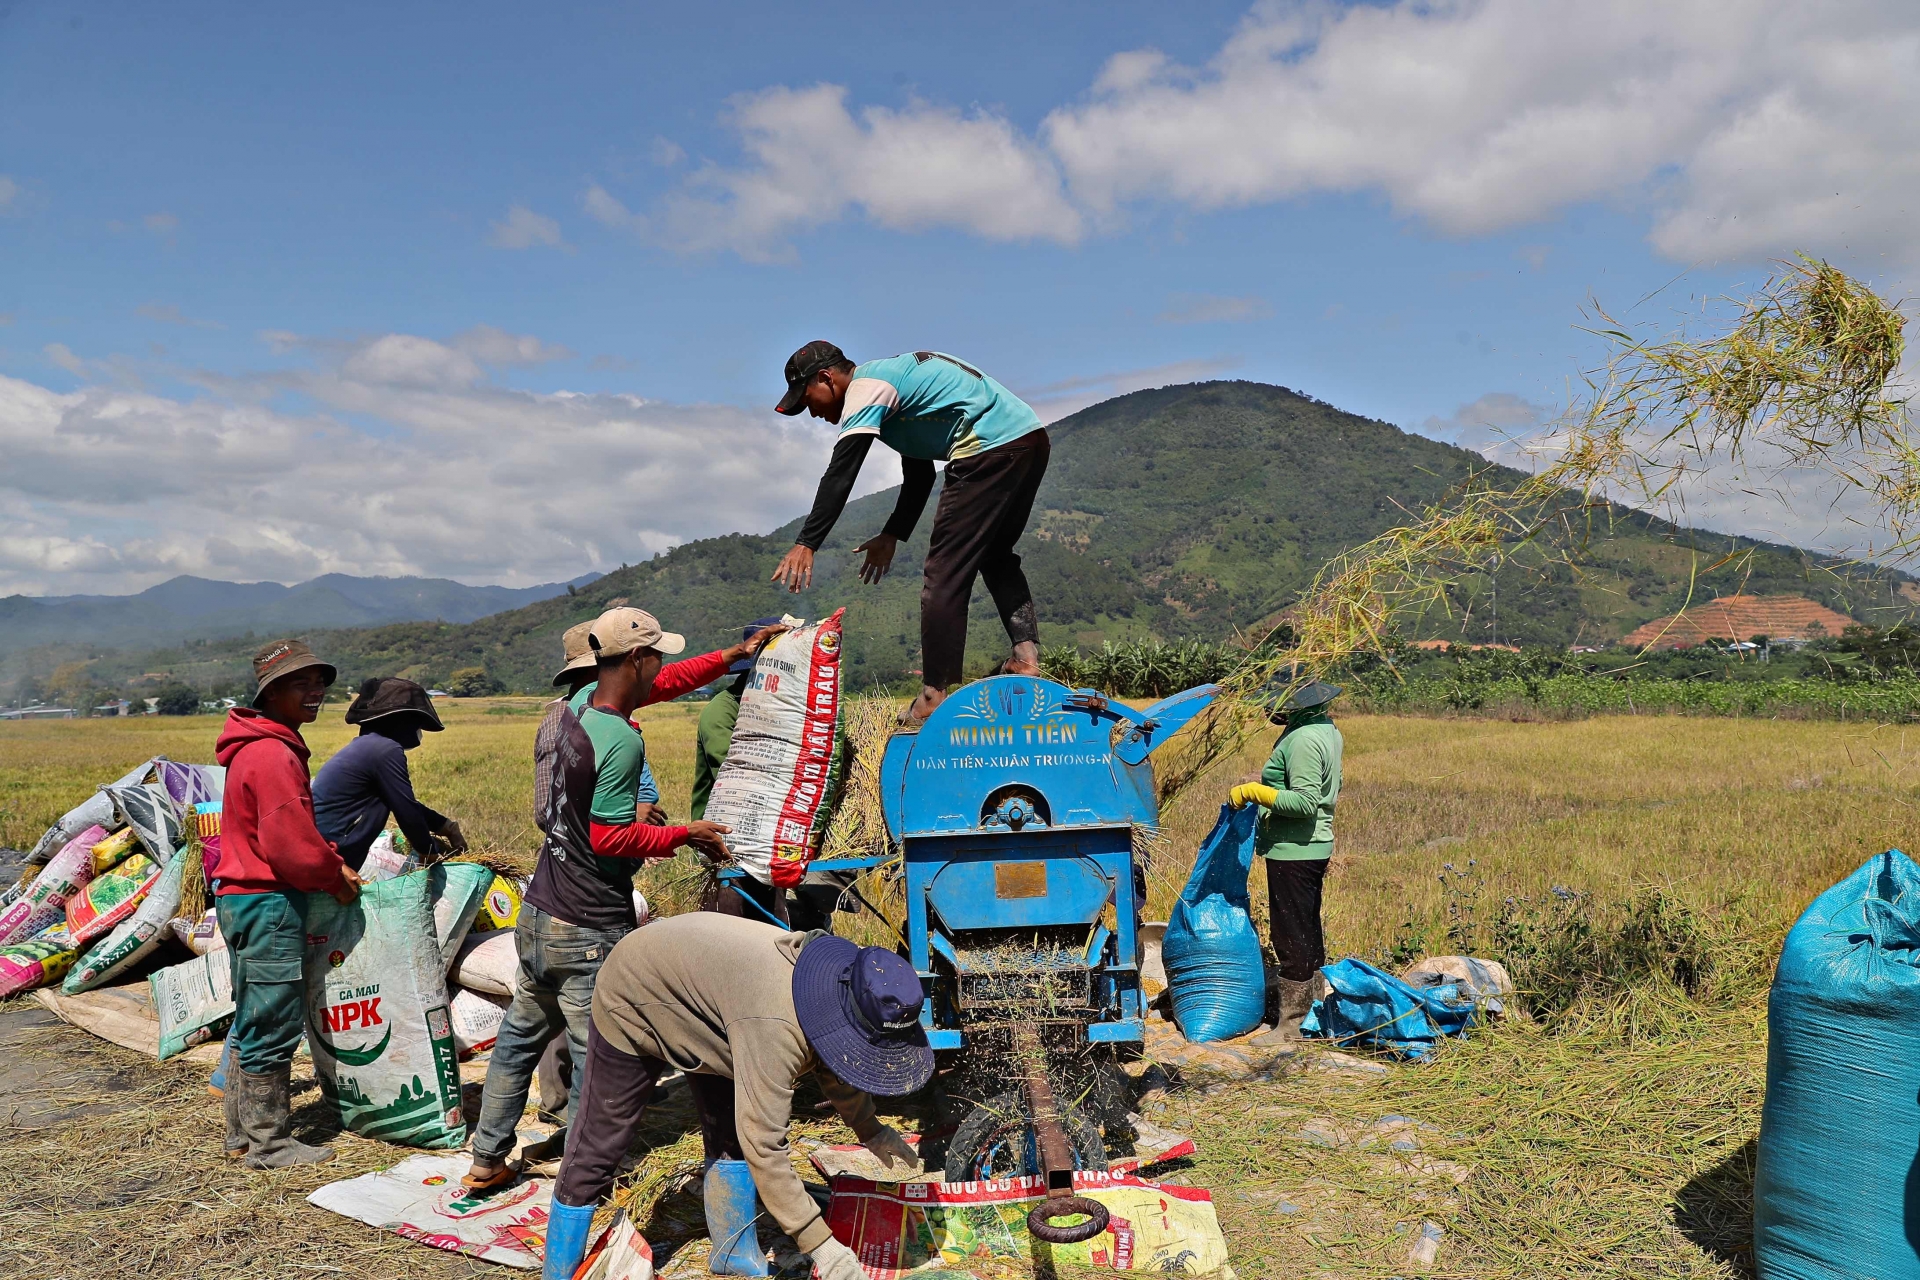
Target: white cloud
{"x":1737,"y":129}
{"x":61,"y":354}
{"x":812,"y":160}
{"x":523,"y":229}
{"x":497,"y":347}
{"x":1213,"y":308}
{"x":9,"y":191}
{"x":413,"y":463}
{"x":667,"y":153}
{"x":1483,"y":425}
{"x":607,"y":210}
{"x":161,"y":224}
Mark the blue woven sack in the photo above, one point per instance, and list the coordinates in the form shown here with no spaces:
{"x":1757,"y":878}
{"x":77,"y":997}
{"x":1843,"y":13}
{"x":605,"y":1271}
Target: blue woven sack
{"x":1837,"y":1188}
{"x":1215,"y":977}
{"x":1365,"y":1005}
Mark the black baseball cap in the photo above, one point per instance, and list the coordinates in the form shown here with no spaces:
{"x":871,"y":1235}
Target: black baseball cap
{"x":801,"y":366}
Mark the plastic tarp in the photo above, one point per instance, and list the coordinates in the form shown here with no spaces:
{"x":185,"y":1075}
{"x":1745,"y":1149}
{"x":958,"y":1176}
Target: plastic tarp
{"x":1837,"y":1188}
{"x":1215,"y":976}
{"x":1365,"y":1005}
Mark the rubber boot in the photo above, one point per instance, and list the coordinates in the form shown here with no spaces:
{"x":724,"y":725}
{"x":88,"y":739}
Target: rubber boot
{"x":567,"y":1228}
{"x":223,"y":1073}
{"x":733,"y":1209}
{"x":1296,"y":999}
{"x":265,"y":1116}
{"x":235,"y":1144}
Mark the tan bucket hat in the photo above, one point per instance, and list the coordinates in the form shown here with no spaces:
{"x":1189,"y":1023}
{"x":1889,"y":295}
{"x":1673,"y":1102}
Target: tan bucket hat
{"x":278,"y":658}
{"x":623,"y":630}
{"x":576,"y":652}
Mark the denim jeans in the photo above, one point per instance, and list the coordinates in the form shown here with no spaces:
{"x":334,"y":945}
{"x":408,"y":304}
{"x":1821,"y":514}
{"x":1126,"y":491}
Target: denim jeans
{"x":553,"y":992}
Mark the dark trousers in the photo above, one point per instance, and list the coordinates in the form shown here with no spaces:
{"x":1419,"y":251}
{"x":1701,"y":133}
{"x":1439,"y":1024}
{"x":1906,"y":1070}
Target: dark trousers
{"x":803,"y":909}
{"x":1293,"y":903}
{"x":614,"y":1090}
{"x":984,"y":505}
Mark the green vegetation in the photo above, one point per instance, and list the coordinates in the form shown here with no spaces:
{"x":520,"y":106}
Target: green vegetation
{"x":1194,"y":512}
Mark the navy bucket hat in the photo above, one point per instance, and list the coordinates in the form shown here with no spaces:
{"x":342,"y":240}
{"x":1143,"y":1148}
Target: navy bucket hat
{"x":859,"y":1008}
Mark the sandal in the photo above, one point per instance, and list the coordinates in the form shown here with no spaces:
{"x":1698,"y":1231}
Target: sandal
{"x":502,"y":1176}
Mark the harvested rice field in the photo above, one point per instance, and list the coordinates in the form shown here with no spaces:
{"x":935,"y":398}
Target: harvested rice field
{"x":1636,"y":873}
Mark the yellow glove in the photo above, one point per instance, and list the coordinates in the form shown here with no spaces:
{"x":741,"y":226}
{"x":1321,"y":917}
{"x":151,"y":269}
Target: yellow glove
{"x":1252,"y":793}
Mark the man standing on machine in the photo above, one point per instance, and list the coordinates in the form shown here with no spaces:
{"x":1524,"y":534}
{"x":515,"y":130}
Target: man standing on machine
{"x":931,"y":408}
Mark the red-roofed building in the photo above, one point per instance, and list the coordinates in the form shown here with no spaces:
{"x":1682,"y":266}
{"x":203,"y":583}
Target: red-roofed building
{"x":1731,"y":619}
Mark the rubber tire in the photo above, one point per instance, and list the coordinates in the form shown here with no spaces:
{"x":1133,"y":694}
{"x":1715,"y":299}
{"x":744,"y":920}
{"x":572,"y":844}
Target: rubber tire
{"x":990,"y":1118}
{"x":1040,"y":1219}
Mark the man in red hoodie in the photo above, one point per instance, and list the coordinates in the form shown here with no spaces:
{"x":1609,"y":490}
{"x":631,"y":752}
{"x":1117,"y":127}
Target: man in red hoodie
{"x":272,"y":856}
{"x":581,"y":900}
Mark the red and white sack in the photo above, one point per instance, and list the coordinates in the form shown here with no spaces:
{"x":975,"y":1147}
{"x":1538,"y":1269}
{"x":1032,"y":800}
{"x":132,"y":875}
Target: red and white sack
{"x":476,"y":1021}
{"x":783,"y":772}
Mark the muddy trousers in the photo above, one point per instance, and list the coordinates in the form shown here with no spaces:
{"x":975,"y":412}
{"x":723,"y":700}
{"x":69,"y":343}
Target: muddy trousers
{"x":614,"y":1090}
{"x":984,"y":504}
{"x":266,"y":938}
{"x":1293,"y":906}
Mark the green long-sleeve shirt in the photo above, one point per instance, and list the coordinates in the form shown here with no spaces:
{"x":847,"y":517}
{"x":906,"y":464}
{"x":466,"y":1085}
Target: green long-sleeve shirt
{"x":711,"y":740}
{"x":1305,"y":769}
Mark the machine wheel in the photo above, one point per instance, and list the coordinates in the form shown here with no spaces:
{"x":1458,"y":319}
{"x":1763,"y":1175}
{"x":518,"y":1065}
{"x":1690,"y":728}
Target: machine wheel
{"x":996,"y":1141}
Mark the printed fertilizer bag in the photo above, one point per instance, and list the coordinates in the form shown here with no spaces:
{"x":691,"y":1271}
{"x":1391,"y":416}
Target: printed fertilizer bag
{"x":1833,"y":1188}
{"x":45,"y":901}
{"x":134,"y":939}
{"x":112,"y":851}
{"x":500,"y":909}
{"x":783,"y":772}
{"x":421,"y":1198}
{"x":455,"y":890}
{"x":476,"y":1021}
{"x":95,"y":811}
{"x":199,"y":936}
{"x":35,"y":963}
{"x":190,"y":784}
{"x":1215,"y":976}
{"x":206,"y":828}
{"x":193,"y":1001}
{"x":488,"y":962}
{"x":94,"y":912}
{"x":899,"y":1228}
{"x":388,"y":856}
{"x":149,"y":811}
{"x":377,"y":1018}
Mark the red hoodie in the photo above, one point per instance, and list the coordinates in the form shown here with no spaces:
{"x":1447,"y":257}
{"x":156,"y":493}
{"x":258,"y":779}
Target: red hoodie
{"x":268,"y":839}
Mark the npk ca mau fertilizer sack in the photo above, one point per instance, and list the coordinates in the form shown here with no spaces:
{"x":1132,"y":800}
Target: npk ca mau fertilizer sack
{"x":783,"y":772}
{"x":193,"y":1001}
{"x":377,"y":1017}
{"x":45,"y":900}
{"x":456,"y":891}
{"x":95,"y":811}
{"x":133,"y":939}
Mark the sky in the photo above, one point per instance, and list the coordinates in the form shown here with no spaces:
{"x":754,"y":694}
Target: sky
{"x":502,"y":293}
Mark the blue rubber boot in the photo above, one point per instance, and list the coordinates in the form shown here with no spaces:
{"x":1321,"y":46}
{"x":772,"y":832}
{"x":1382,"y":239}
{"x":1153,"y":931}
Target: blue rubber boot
{"x":567,"y":1228}
{"x":733,"y":1208}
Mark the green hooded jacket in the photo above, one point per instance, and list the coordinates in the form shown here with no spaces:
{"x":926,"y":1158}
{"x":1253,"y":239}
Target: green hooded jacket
{"x":1305,"y":769}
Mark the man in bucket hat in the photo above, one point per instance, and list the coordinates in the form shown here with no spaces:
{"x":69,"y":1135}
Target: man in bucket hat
{"x":1296,"y":793}
{"x":272,"y":856}
{"x":368,"y":779}
{"x":744,"y":1009}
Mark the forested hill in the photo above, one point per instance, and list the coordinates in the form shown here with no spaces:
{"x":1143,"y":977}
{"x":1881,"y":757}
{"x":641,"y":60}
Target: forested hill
{"x":1189,"y":511}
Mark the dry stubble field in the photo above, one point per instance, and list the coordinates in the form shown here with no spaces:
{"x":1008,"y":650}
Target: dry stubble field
{"x":1612,"y":1137}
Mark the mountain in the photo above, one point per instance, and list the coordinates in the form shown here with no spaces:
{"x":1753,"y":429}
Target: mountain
{"x":189,"y":608}
{"x":1186,"y":512}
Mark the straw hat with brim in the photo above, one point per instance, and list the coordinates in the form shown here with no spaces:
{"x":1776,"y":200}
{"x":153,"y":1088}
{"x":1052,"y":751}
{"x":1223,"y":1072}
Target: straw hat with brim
{"x":747,"y":633}
{"x":859,"y":1008}
{"x":278,"y":658}
{"x":385,"y":697}
{"x":576,"y":652}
